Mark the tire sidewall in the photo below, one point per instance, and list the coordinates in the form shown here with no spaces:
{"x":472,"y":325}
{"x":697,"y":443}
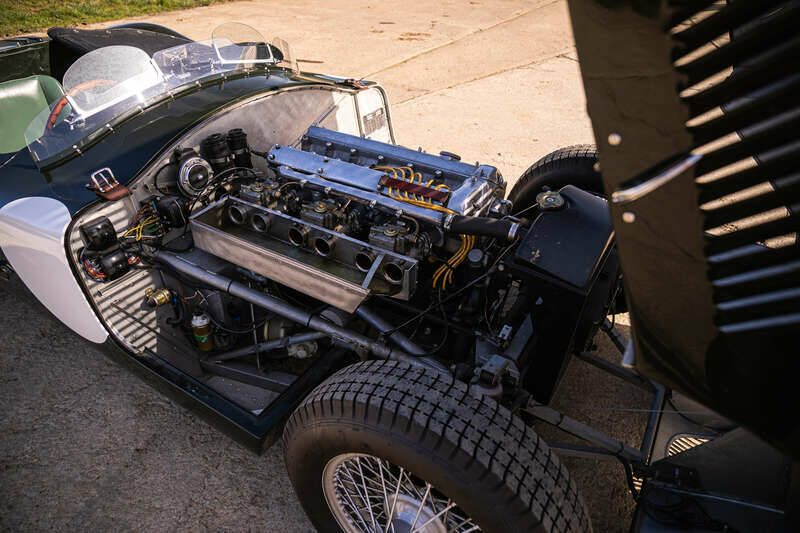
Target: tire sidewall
{"x":577,"y":171}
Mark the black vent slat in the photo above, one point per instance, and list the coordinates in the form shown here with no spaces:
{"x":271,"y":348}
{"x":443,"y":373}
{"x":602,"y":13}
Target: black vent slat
{"x":772,"y":164}
{"x":768,"y":101}
{"x":743,"y":209}
{"x":769,"y":67}
{"x":786,"y":322}
{"x":758,"y":306}
{"x":754,"y":234}
{"x":756,"y":287}
{"x":742,"y":285}
{"x":755,"y":257}
{"x":728,"y":18}
{"x":686,"y":9}
{"x":755,"y":41}
{"x":756,"y":138}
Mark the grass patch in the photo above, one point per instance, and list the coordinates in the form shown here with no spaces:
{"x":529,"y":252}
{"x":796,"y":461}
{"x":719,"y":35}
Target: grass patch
{"x":26,"y":16}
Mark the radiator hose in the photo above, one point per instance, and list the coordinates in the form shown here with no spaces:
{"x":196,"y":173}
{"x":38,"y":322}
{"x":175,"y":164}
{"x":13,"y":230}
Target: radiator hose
{"x":483,"y":226}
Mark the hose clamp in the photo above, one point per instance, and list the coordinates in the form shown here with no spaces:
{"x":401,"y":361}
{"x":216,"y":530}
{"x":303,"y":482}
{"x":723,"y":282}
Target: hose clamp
{"x":448,"y":221}
{"x":512,"y":231}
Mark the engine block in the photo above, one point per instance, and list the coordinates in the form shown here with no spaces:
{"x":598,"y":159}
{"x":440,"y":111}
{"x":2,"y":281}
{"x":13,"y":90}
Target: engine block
{"x":345,"y":217}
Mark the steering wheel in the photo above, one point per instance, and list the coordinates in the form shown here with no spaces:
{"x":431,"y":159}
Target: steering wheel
{"x":51,"y":120}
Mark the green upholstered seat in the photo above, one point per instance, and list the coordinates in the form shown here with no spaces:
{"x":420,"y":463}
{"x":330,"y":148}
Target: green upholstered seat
{"x":20,"y":102}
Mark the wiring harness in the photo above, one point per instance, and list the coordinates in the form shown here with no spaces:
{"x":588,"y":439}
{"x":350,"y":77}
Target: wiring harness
{"x":444,"y":273}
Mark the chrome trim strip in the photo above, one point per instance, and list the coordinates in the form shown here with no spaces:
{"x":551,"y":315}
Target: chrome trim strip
{"x":631,"y":194}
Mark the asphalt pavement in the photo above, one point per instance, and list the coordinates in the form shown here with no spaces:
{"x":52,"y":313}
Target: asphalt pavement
{"x":84,"y":445}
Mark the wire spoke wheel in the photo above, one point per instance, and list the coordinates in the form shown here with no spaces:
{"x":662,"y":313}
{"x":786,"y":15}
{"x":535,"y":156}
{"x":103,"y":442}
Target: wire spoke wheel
{"x":369,"y":495}
{"x":386,"y":447}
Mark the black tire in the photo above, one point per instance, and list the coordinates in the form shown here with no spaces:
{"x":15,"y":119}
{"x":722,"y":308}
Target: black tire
{"x":474,"y":451}
{"x":574,"y":165}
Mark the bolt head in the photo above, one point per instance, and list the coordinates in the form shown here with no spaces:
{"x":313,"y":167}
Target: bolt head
{"x":629,"y":217}
{"x":272,"y":157}
{"x":615,"y":139}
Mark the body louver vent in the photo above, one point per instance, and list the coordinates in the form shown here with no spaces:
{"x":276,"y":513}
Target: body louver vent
{"x":741,"y":64}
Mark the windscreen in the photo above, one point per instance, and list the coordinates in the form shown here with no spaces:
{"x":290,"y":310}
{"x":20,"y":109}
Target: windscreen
{"x":108,"y":75}
{"x":98,"y":87}
{"x":239,"y":44}
{"x":111,"y":83}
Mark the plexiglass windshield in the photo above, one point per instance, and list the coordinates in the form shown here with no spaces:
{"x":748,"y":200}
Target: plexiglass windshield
{"x":114,"y":82}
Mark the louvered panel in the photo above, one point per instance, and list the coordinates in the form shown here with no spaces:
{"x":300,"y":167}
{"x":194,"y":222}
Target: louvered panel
{"x":684,"y":442}
{"x":758,"y":39}
{"x":751,"y":75}
{"x":120,"y":301}
{"x":728,"y":17}
{"x":744,"y":106}
{"x":698,"y":133}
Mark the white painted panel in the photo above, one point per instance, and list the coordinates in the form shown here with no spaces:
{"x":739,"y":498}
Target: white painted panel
{"x":32,"y":238}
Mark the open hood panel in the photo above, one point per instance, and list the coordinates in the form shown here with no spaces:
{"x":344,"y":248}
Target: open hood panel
{"x":695,"y":111}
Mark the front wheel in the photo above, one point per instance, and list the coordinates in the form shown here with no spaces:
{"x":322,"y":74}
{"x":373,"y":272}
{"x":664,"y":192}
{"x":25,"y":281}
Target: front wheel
{"x":385,"y":446}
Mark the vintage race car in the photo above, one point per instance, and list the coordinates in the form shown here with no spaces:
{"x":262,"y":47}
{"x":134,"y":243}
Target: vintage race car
{"x":251,"y":239}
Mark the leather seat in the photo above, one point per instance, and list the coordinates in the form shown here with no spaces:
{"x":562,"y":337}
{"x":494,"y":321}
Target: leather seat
{"x":20,"y":102}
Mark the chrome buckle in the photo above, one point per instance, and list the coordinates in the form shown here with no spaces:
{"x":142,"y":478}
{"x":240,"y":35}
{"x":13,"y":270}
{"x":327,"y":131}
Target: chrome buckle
{"x":103,"y":180}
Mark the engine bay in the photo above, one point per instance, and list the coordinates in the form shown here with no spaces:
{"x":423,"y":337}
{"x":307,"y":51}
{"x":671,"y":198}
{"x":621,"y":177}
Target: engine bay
{"x":243,"y":265}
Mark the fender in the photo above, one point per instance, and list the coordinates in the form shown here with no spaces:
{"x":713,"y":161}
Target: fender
{"x":32,"y":239}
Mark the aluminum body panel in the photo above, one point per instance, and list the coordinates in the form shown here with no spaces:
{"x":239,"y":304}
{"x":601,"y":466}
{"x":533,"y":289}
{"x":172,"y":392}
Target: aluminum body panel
{"x":32,"y":239}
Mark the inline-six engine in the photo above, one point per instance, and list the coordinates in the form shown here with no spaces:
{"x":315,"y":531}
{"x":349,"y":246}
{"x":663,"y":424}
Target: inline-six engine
{"x":343,"y":217}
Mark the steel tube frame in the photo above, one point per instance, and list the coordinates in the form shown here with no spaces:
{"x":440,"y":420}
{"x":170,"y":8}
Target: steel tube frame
{"x":268,"y":345}
{"x":289,"y":311}
{"x":617,"y":371}
{"x":368,"y":315}
{"x":583,"y":431}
